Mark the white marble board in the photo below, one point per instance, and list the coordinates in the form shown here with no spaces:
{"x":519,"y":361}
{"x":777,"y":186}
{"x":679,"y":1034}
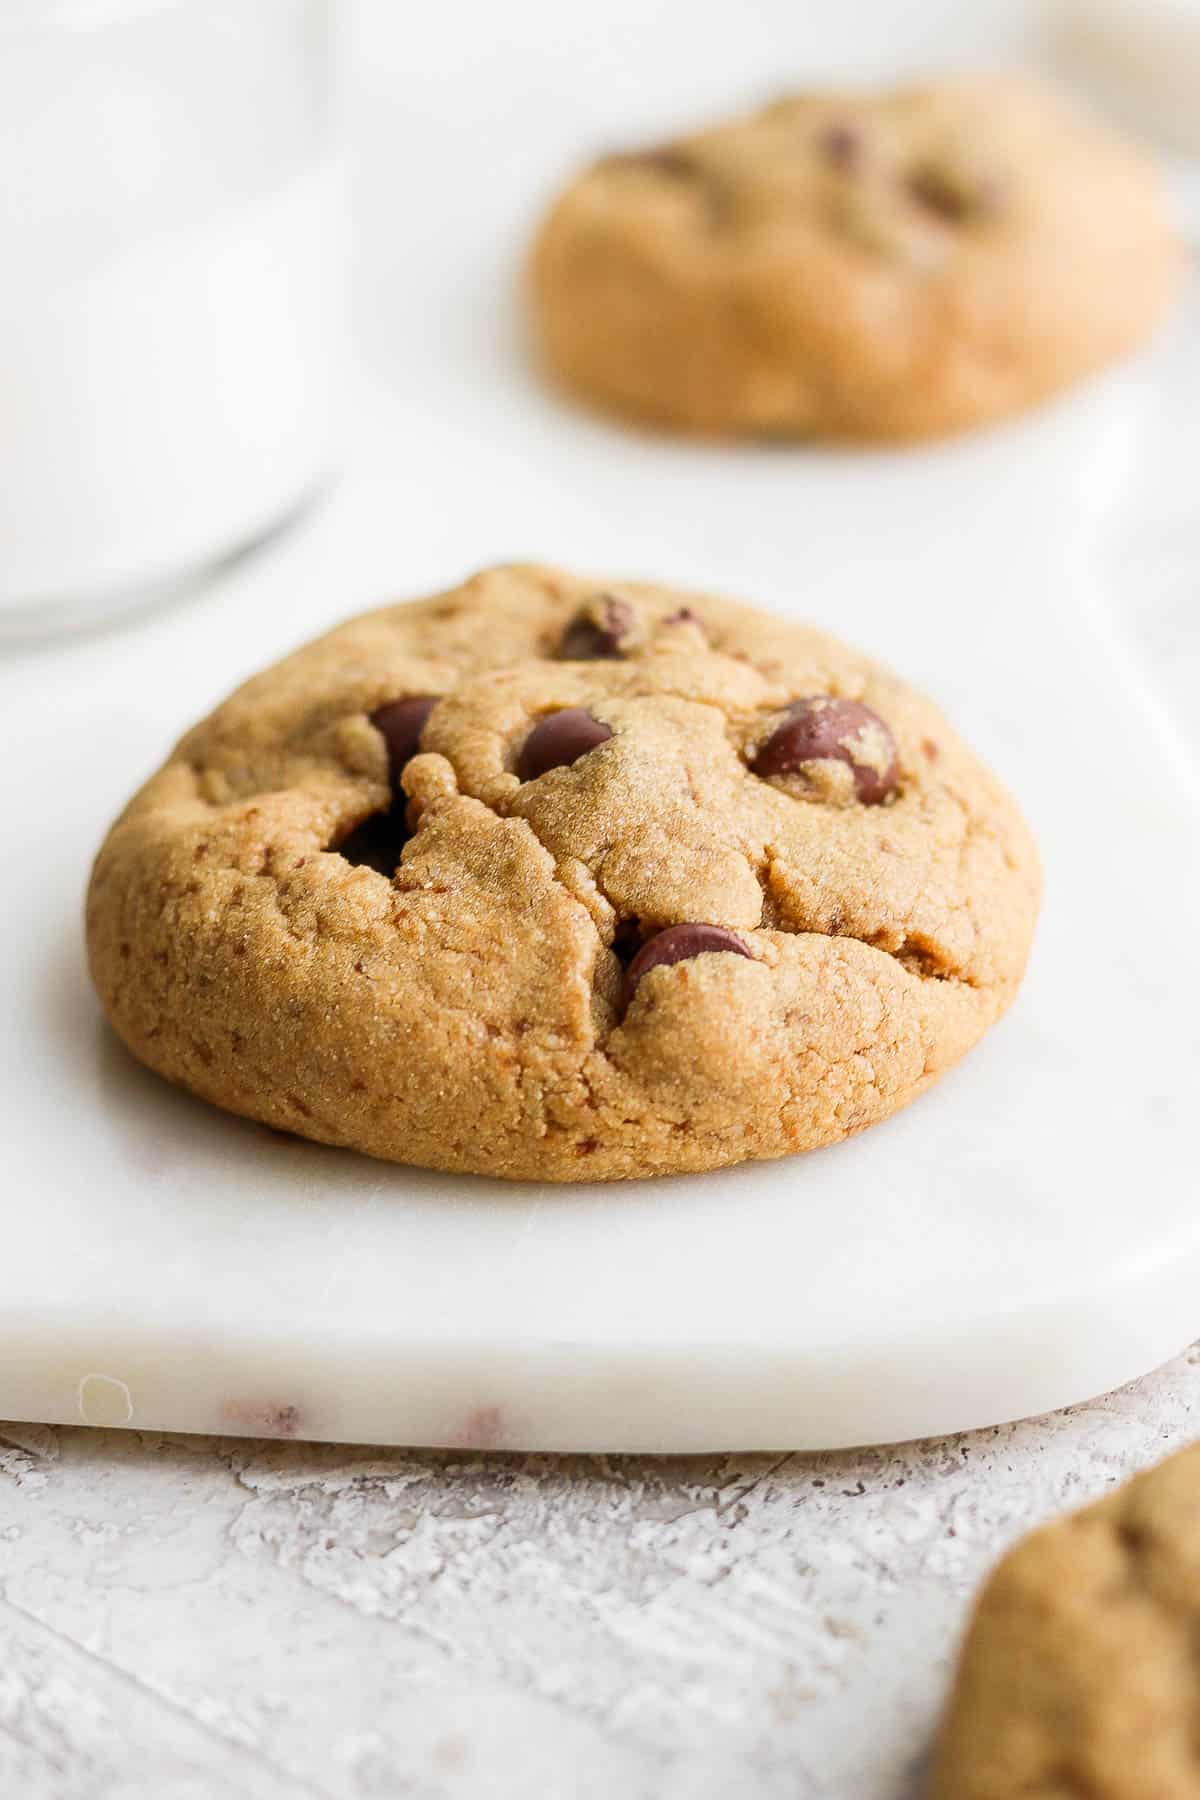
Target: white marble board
{"x":1025,"y":1235}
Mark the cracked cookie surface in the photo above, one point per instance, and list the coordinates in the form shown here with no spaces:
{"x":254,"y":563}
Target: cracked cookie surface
{"x":1079,"y":1674}
{"x":876,"y":266}
{"x":552,"y":879}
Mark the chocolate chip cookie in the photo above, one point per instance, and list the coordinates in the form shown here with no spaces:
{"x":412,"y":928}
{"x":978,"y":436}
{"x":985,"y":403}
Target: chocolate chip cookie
{"x":1079,"y":1675}
{"x":564,"y":880}
{"x":871,"y":266}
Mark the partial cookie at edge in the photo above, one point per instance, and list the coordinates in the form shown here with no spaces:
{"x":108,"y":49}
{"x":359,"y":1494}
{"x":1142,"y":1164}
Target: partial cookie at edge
{"x":1080,"y":1674}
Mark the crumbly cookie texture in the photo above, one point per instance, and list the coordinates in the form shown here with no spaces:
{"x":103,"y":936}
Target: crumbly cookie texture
{"x":438,"y":885}
{"x":1079,"y":1675}
{"x":871,"y":266}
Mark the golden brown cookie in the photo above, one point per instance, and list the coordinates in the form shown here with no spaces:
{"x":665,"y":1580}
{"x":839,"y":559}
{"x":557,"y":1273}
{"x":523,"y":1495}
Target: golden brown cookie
{"x":562,"y":880}
{"x":874,"y":266}
{"x":1080,"y":1679}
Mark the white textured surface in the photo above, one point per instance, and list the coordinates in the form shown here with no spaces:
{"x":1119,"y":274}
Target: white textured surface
{"x":192,"y":1618}
{"x":184,"y":1618}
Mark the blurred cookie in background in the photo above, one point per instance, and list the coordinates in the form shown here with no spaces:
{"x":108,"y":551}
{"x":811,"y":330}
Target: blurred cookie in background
{"x":872,"y":266}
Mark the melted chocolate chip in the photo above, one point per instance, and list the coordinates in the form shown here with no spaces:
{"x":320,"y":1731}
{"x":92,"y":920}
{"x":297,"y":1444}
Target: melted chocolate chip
{"x":842,"y":146}
{"x":599,"y":631}
{"x":402,"y":722}
{"x":376,"y":843}
{"x":627,"y":940}
{"x":955,"y":195}
{"x":559,"y":739}
{"x":669,"y":159}
{"x":676,"y":944}
{"x":823,"y":729}
{"x":931,"y":188}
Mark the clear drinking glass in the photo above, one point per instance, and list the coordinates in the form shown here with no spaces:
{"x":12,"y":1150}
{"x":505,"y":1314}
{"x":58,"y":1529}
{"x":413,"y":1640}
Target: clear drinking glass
{"x":169,"y":309}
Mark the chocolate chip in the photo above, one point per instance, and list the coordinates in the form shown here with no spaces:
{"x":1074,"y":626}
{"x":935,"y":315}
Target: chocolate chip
{"x":823,"y":729}
{"x":676,"y":944}
{"x":558,"y":739}
{"x":686,"y":171}
{"x":602,"y":629}
{"x":842,"y":146}
{"x":401,"y":722}
{"x":684,"y":615}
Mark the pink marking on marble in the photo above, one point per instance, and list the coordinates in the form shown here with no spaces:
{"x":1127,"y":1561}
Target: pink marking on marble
{"x":266,"y":1419}
{"x":482,"y":1429}
{"x":450,"y":1752}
